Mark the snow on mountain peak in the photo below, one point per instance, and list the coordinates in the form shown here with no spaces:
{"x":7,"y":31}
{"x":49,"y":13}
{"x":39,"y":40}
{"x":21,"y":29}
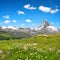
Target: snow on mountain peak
{"x":52,"y":28}
{"x":9,"y":27}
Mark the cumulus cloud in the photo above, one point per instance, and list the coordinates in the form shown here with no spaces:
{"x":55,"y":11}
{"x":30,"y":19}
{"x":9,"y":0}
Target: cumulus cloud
{"x":14,"y":21}
{"x":6,"y":17}
{"x":28,"y":6}
{"x":20,"y":12}
{"x":28,"y":20}
{"x":54,"y":11}
{"x":48,"y":9}
{"x":44,"y":9}
{"x":7,"y":21}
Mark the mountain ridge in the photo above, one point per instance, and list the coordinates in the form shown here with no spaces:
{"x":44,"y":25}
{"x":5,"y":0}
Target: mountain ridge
{"x":44,"y":28}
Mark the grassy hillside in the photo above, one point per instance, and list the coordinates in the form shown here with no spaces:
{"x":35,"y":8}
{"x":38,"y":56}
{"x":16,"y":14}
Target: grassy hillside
{"x":36,"y":48}
{"x":7,"y":35}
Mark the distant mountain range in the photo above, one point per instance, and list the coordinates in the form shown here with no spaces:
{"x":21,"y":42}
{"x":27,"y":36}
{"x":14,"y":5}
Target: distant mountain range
{"x":45,"y":28}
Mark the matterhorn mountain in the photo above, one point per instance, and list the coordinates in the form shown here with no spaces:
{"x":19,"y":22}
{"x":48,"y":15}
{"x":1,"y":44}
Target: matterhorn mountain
{"x":47,"y":28}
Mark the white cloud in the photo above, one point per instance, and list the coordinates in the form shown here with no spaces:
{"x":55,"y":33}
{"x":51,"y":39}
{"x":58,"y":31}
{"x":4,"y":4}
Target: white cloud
{"x":44,"y":9}
{"x":48,"y":9}
{"x":28,"y":6}
{"x":7,"y":21}
{"x":28,"y":20}
{"x":14,"y":21}
{"x":20,"y":12}
{"x":6,"y":17}
{"x":54,"y":11}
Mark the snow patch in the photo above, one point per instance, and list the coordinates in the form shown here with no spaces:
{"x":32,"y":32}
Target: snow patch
{"x":9,"y":27}
{"x":52,"y":28}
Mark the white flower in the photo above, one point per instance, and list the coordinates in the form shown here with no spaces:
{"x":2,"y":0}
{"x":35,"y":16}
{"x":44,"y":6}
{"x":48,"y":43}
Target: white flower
{"x":50,"y":49}
{"x":1,"y":51}
{"x":25,"y":47}
{"x":58,"y":50}
{"x":34,"y":43}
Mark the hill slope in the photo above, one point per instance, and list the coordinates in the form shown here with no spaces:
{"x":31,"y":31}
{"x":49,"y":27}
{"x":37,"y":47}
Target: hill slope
{"x":7,"y":35}
{"x":36,"y":48}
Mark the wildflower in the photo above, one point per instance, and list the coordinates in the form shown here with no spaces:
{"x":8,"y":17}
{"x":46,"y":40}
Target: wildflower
{"x":25,"y":47}
{"x":34,"y":43}
{"x":1,"y":51}
{"x":58,"y":50}
{"x":50,"y":49}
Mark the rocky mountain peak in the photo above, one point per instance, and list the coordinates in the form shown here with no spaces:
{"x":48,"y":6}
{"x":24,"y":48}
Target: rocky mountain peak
{"x":47,"y":28}
{"x":44,"y":23}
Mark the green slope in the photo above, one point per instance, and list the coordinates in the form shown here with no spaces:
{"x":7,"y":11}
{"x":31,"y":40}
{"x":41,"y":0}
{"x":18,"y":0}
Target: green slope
{"x":7,"y":35}
{"x":36,"y":48}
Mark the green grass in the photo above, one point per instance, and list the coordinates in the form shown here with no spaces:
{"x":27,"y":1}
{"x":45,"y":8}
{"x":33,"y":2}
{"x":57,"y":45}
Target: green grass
{"x":35,"y":48}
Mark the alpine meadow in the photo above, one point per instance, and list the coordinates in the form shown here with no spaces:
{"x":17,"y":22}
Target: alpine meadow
{"x":29,"y":30}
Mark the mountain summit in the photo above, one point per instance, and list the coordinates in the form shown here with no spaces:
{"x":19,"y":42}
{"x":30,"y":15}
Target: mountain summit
{"x":47,"y":28}
{"x":44,"y":23}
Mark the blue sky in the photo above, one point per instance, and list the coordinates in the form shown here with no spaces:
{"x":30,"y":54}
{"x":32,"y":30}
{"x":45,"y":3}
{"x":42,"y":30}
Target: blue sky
{"x":29,"y":13}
